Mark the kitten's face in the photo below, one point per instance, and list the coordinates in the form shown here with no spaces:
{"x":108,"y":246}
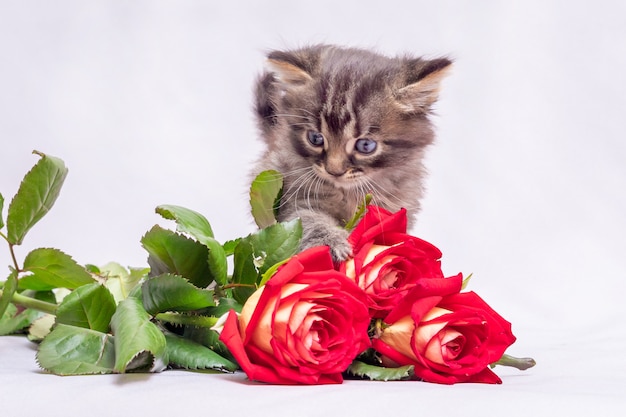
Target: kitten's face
{"x":352,"y":133}
{"x":359,"y":120}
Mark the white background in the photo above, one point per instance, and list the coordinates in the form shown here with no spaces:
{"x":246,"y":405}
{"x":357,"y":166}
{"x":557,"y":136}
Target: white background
{"x":149,"y":102}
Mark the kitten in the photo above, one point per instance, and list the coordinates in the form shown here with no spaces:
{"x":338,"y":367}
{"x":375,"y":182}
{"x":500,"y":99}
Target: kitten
{"x":340,"y":123}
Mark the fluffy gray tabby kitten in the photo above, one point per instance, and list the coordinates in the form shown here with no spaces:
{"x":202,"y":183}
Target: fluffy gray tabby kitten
{"x":340,"y":123}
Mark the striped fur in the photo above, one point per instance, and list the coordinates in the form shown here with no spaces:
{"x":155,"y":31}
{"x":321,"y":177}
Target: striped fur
{"x":348,"y":96}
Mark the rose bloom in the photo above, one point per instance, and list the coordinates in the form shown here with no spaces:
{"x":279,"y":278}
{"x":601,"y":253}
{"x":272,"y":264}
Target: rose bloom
{"x":447,"y":336}
{"x":387,"y":262}
{"x":304,"y":326}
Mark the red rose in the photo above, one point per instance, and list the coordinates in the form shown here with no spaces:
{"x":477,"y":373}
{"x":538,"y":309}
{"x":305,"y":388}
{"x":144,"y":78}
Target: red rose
{"x":387,"y":262}
{"x":305,"y":326}
{"x":447,"y":336}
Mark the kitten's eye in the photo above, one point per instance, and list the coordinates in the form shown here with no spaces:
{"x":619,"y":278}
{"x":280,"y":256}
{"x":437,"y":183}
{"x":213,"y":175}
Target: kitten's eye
{"x":315,"y":138}
{"x":365,"y":145}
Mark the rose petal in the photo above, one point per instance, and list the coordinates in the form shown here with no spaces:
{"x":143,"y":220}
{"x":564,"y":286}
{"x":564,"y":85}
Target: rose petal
{"x":428,"y":328}
{"x":231,"y":337}
{"x":399,"y":336}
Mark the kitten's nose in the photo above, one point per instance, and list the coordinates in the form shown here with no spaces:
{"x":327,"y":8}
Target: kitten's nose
{"x":335,"y":165}
{"x":335,"y":171}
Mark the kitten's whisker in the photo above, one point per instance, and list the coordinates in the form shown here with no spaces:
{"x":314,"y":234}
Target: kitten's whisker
{"x":296,"y":171}
{"x":299,"y":124}
{"x":387,"y":199}
{"x":290,"y":115}
{"x":295,"y":187}
{"x":306,"y":111}
{"x":302,"y":190}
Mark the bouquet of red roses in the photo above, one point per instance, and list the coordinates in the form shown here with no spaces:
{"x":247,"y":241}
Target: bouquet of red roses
{"x":312,"y":320}
{"x":283,"y":317}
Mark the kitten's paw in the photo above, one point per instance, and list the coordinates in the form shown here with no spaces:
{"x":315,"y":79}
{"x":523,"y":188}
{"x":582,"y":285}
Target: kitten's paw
{"x":335,"y":238}
{"x":341,"y":251}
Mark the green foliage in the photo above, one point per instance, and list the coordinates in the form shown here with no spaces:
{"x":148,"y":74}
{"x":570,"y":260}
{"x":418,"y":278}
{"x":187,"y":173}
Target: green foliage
{"x":112,"y":319}
{"x":196,"y":225}
{"x":9,"y":288}
{"x":208,"y":338}
{"x":139,"y":345}
{"x":229,"y":246}
{"x":173,"y":293}
{"x":170,"y":252}
{"x":51,"y":268}
{"x":218,"y":265}
{"x":70,"y":350}
{"x":245,"y":273}
{"x":185,"y":353}
{"x":379,"y":373}
{"x":16,"y":320}
{"x":187,"y":319}
{"x":120,"y":281}
{"x":265,"y":193}
{"x":187,"y":221}
{"x":35,"y":197}
{"x":1,"y":207}
{"x":466,"y":281}
{"x":275,"y":243}
{"x":360,"y":212}
{"x":224,"y":305}
{"x":270,"y":272}
{"x":13,"y":320}
{"x":90,"y":306}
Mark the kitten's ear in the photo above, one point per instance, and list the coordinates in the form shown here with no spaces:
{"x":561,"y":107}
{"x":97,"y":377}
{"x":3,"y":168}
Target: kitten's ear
{"x":287,"y":73}
{"x":294,"y":67}
{"x":422,"y":83}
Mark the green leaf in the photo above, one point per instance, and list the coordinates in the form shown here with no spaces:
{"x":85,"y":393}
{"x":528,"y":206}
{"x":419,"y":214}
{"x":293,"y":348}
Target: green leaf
{"x":10,"y":286}
{"x":139,"y":344}
{"x":224,"y":305}
{"x":70,"y":350}
{"x":265,"y":192}
{"x":379,"y":373}
{"x":173,"y":293}
{"x":51,"y":268}
{"x":466,"y":281}
{"x":245,"y":272}
{"x":119,"y":280}
{"x":1,"y":207}
{"x":35,"y":197}
{"x":90,"y":306}
{"x":12,"y":321}
{"x":275,"y":243}
{"x":359,"y":213}
{"x":218,"y":264}
{"x":196,"y":225}
{"x":187,"y":319}
{"x":271,"y":271}
{"x":229,"y":246}
{"x":209,"y":338}
{"x":173,"y":253}
{"x":188,"y":354}
{"x":187,"y":221}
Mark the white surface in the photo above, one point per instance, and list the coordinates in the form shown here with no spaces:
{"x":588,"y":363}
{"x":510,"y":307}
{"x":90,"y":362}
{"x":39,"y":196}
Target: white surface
{"x":149,"y":103}
{"x":580,"y":377}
